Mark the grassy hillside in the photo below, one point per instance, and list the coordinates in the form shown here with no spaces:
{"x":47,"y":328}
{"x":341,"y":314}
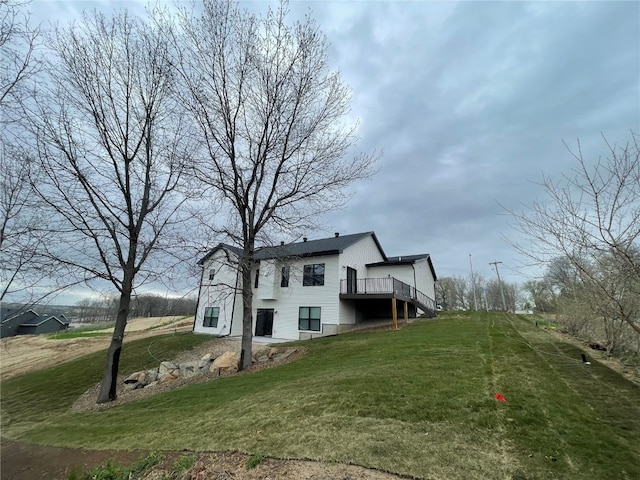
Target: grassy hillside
{"x":419,"y":401}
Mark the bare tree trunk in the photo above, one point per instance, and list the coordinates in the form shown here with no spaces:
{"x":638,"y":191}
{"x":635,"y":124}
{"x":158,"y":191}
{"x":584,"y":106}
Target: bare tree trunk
{"x":271,"y":117}
{"x":112,"y":153}
{"x":108,"y":386}
{"x":247,"y":308}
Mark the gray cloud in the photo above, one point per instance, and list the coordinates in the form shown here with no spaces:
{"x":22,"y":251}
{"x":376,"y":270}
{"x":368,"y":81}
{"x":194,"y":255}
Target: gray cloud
{"x":470,"y":102}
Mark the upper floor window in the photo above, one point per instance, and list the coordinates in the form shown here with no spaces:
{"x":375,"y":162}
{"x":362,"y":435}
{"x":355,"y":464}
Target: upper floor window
{"x":313,"y":275}
{"x":257,"y":280}
{"x":284,"y":279}
{"x":212,"y":273}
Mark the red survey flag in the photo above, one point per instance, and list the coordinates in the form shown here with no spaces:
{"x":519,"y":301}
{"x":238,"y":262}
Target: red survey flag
{"x":500,"y":398}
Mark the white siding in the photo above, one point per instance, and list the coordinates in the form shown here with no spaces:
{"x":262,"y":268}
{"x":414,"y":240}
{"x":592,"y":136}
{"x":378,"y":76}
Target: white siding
{"x":356,"y":256}
{"x":219,"y":292}
{"x":359,"y":255}
{"x":291,"y":298}
{"x":269,"y":275}
{"x":404,"y":273}
{"x":424,"y":279}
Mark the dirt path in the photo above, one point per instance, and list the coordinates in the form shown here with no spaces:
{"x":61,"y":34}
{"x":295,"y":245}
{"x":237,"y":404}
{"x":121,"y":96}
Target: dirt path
{"x":22,"y":461}
{"x":27,"y":353}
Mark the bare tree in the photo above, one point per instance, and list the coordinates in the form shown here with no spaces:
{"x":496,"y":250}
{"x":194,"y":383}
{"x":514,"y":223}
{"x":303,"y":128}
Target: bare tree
{"x":20,"y":233}
{"x":110,"y":140}
{"x":454,"y":293}
{"x":272,"y":121}
{"x":461,"y":286}
{"x":446,"y":293}
{"x":24,"y":277}
{"x":18,"y":41}
{"x":477,"y":282}
{"x":541,"y":295}
{"x":591,"y":218}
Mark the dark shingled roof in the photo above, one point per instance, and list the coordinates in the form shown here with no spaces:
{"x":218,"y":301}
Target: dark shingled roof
{"x":40,"y":319}
{"x":401,"y":260}
{"x":310,"y":248}
{"x":25,"y":314}
{"x":405,"y":260}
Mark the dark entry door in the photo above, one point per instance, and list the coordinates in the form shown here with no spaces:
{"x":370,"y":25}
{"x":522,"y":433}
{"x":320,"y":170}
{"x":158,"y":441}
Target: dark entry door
{"x":352,"y":280}
{"x":264,"y":322}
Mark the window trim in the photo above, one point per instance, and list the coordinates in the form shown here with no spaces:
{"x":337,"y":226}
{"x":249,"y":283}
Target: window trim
{"x":309,"y":319}
{"x":210,"y":317}
{"x":312,"y":278}
{"x":285,"y":272}
{"x":256,"y":282}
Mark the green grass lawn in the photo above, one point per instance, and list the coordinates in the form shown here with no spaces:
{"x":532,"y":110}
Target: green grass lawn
{"x":418,"y":401}
{"x":69,"y":334}
{"x":97,"y":330}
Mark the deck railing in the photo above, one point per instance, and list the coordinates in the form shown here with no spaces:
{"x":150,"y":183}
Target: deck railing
{"x":372,"y":286}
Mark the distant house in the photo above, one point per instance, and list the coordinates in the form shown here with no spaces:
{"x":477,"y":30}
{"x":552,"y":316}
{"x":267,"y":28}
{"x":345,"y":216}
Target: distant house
{"x":314,"y":288}
{"x":29,"y":322}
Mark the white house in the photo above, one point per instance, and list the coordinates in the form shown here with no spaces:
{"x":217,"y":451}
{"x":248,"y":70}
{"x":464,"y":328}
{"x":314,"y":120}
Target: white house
{"x":314,"y":288}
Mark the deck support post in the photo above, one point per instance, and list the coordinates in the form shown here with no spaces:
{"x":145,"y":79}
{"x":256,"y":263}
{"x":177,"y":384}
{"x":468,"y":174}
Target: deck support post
{"x":406,"y":313}
{"x":394,"y":313}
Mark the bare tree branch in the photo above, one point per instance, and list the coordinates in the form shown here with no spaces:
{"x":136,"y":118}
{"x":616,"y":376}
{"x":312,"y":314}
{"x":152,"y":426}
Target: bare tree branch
{"x":271,"y":119}
{"x":113,"y":152}
{"x":591,"y":218}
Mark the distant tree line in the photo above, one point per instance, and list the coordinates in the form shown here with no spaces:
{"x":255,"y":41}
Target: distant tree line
{"x":94,"y":310}
{"x":457,"y":293}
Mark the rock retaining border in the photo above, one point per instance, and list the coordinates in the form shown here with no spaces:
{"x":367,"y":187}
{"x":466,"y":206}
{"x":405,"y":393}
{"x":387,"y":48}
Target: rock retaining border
{"x":222,"y":365}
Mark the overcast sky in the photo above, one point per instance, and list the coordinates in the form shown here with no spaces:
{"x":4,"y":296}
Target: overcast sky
{"x":470,"y":103}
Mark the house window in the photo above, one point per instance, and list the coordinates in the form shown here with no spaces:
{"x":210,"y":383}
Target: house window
{"x":212,"y":273}
{"x":256,"y":281}
{"x":211,"y":317}
{"x":284,"y":280}
{"x":309,"y":319}
{"x":313,"y":275}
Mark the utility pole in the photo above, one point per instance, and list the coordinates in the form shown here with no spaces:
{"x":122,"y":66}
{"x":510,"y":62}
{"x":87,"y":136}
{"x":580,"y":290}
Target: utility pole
{"x":504,"y":304}
{"x":473,"y":285}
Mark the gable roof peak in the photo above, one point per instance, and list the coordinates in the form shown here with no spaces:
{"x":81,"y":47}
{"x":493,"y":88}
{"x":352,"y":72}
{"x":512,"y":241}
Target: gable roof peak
{"x":304,"y":248}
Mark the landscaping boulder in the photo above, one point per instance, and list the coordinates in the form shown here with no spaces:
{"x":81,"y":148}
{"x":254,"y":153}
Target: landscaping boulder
{"x":286,"y":354}
{"x":205,"y":364}
{"x":188,"y":370}
{"x":167,"y":367}
{"x":134,"y":378}
{"x":226,"y":362}
{"x":169,"y":376}
{"x":151,"y":375}
{"x":273,"y":351}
